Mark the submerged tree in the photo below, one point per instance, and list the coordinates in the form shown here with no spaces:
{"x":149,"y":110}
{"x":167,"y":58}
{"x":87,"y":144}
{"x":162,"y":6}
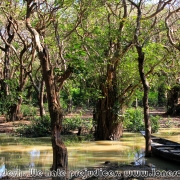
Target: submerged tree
{"x":124,"y":31}
{"x":110,"y":104}
{"x":141,"y":39}
{"x":54,"y":72}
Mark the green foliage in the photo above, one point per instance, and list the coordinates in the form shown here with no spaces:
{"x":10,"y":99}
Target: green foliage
{"x":72,"y":123}
{"x":39,"y":127}
{"x":133,"y":120}
{"x":155,"y":123}
{"x":79,"y":92}
{"x":75,"y":122}
{"x":153,"y":98}
{"x":28,"y":110}
{"x":6,"y":101}
{"x":46,"y":107}
{"x":162,"y":95}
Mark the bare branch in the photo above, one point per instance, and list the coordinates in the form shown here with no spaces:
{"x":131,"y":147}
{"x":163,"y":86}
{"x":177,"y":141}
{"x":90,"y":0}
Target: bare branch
{"x":65,"y":76}
{"x":160,"y":7}
{"x":10,"y":45}
{"x":76,"y":25}
{"x":108,"y":5}
{"x":133,"y":3}
{"x":2,"y":48}
{"x":170,"y":31}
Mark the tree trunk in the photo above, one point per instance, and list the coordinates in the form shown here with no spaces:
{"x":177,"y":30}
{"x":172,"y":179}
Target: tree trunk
{"x":53,"y":85}
{"x":40,"y":93}
{"x":147,"y":121}
{"x":10,"y":32}
{"x":5,"y":89}
{"x":173,"y":100}
{"x":15,"y":110}
{"x":109,"y":126}
{"x":41,"y":99}
{"x":60,"y":157}
{"x":108,"y":110}
{"x":145,"y":102}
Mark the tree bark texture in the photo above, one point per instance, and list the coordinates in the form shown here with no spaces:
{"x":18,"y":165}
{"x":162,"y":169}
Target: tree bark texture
{"x":41,"y":100}
{"x":141,"y":59}
{"x":107,"y":113}
{"x":10,"y":33}
{"x":60,"y":155}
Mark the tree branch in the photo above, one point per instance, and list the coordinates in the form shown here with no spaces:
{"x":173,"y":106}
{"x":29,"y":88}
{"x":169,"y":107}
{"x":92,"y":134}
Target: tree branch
{"x":159,"y":9}
{"x":65,"y":76}
{"x":169,"y":31}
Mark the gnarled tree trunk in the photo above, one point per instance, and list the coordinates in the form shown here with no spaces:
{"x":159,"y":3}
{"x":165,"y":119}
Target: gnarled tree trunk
{"x":107,"y":113}
{"x":60,"y":155}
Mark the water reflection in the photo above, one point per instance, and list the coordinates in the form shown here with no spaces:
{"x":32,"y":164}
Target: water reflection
{"x":34,"y":154}
{"x":2,"y":167}
{"x":139,"y":158}
{"x":24,"y":153}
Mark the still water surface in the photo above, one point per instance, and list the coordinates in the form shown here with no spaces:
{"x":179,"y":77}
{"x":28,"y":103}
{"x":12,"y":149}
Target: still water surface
{"x":26,"y":153}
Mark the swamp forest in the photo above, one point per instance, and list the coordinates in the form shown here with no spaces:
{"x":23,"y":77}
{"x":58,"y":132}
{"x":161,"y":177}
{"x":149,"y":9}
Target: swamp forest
{"x":79,"y":81}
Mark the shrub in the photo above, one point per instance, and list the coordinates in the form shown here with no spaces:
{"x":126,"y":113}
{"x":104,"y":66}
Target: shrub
{"x":154,"y":123}
{"x":41,"y":127}
{"x":134,"y":120}
{"x":75,"y":122}
{"x":72,"y":123}
{"x":28,"y":110}
{"x":38,"y":128}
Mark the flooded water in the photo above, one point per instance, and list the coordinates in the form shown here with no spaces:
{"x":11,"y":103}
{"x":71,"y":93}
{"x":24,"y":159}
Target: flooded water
{"x":26,"y":153}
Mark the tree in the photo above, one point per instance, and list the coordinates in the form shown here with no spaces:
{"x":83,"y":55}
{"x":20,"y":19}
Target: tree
{"x":56,"y":114}
{"x":109,"y":107}
{"x":144,"y":14}
{"x":116,"y":42}
{"x":16,"y":60}
{"x":53,"y":75}
{"x":172,"y":22}
{"x":39,"y":88}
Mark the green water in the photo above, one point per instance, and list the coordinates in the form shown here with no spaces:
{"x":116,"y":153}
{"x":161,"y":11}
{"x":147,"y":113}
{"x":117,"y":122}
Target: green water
{"x":25,"y":153}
